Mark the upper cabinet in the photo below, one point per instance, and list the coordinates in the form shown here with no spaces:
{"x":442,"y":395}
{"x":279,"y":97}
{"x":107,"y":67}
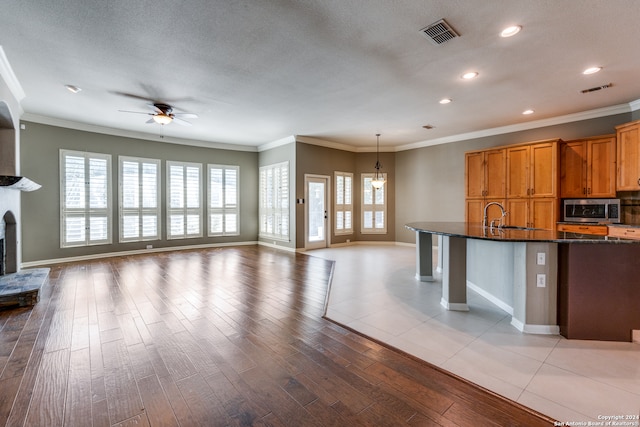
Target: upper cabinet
{"x":628,"y":156}
{"x":587,"y":167}
{"x":485,"y":174}
{"x":532,"y":170}
{"x":523,"y":178}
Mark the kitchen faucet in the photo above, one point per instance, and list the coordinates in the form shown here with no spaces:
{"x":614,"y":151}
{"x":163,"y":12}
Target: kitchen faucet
{"x":484,"y":217}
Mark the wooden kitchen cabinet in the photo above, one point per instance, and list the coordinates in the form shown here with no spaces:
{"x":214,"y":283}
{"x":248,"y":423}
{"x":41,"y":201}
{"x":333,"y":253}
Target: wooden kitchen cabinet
{"x":532,"y":212}
{"x":596,"y":230}
{"x":587,"y":167}
{"x":624,"y":232}
{"x":485,"y":172}
{"x":523,"y":178}
{"x":485,"y":182}
{"x":475,"y":210}
{"x":532,"y":170}
{"x":628,"y":156}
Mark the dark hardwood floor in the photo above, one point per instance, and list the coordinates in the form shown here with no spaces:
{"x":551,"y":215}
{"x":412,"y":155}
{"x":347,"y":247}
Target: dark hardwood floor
{"x":229,"y":336}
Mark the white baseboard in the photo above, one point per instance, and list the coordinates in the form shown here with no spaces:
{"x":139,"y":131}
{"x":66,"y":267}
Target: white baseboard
{"x":454,"y":306}
{"x":535,"y":329}
{"x":503,"y":305}
{"x":133,"y":252}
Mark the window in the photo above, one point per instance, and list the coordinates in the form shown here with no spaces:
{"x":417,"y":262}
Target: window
{"x":374,"y":206}
{"x":344,"y":203}
{"x":274,"y":201}
{"x":139,"y":199}
{"x":223,"y":200}
{"x":85,"y":205}
{"x":184,"y":195}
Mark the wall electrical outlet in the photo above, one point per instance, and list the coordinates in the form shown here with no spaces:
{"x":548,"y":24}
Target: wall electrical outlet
{"x":541,"y":280}
{"x":149,"y":246}
{"x":540,"y":259}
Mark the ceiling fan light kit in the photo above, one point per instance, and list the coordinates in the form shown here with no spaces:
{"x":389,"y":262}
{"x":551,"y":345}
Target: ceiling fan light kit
{"x":163,"y":115}
{"x":162,"y":119}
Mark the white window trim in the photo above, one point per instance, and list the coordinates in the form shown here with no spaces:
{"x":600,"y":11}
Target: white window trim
{"x":140,"y":211}
{"x":344,"y":207}
{"x":224,"y":210}
{"x":184,"y":210}
{"x":87,"y":211}
{"x":274,"y":212}
{"x":373,"y":207}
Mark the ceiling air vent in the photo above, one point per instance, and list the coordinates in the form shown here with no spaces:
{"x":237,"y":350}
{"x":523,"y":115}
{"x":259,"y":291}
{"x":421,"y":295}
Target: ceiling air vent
{"x":593,"y":89}
{"x":439,"y":32}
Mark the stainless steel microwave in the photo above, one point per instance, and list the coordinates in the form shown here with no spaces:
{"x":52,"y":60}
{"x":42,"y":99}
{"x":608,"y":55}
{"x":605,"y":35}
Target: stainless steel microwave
{"x":592,"y":210}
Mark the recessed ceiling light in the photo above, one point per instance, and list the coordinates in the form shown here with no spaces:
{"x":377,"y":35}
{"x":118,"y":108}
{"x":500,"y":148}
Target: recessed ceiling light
{"x":445,"y":100}
{"x":72,"y":88}
{"x":592,"y":70}
{"x":527,"y":112}
{"x":510,"y":31}
{"x":470,"y":75}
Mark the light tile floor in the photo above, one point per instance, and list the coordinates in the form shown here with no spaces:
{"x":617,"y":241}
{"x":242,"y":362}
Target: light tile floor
{"x":374,"y":291}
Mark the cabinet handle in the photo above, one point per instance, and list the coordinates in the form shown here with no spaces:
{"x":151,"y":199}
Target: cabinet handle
{"x":532,"y":191}
{"x":589,"y":190}
{"x":584,"y":190}
{"x":583,"y":228}
{"x":638,"y":181}
{"x":631,"y":231}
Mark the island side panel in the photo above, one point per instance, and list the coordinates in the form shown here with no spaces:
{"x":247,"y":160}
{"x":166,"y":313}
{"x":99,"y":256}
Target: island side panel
{"x":599,"y":291}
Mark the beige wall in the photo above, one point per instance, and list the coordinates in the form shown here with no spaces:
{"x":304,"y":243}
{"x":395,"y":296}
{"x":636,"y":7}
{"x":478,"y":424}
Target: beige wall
{"x":317,"y":160}
{"x":41,"y":145}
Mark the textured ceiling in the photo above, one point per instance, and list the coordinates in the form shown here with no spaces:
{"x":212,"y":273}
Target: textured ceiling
{"x":337,"y":70}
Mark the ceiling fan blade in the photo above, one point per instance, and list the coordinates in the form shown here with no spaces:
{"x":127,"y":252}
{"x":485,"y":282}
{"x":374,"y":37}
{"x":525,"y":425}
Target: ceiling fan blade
{"x":179,"y":121}
{"x":135,"y":112}
{"x":150,"y":121}
{"x":131,"y":95}
{"x":186,"y":115}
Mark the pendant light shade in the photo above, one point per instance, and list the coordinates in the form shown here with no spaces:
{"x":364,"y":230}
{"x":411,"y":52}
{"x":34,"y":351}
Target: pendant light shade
{"x":378,"y":180}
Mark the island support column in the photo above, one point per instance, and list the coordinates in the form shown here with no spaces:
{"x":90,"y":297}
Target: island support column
{"x":424,"y":257}
{"x":454,"y":273}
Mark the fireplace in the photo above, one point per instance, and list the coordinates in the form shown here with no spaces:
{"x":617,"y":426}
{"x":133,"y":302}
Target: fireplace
{"x":8,"y":244}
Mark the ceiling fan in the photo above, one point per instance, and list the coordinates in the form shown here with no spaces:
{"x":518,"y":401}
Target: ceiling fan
{"x":163,"y":115}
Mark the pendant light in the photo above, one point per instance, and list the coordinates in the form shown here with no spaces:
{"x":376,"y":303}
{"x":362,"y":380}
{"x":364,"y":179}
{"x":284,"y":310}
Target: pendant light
{"x":378,"y":180}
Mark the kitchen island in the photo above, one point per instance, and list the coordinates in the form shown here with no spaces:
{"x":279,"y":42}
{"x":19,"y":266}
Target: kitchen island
{"x":549,"y":281}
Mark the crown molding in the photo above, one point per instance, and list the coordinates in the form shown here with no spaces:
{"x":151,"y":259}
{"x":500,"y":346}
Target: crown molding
{"x":568,"y":118}
{"x":325,"y":143}
{"x":35,"y":118}
{"x":277,"y":143}
{"x":10,"y":79}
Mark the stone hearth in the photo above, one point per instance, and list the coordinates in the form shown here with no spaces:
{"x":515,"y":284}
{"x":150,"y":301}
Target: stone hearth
{"x":22,"y":288}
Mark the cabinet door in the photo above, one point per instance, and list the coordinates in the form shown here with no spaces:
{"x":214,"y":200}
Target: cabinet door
{"x":474,"y":210}
{"x":543,"y":213}
{"x":601,"y":168}
{"x":573,"y":169}
{"x":518,"y":212}
{"x":518,"y":171}
{"x":628,"y":157}
{"x":495,"y":161}
{"x":474,"y":171}
{"x":543,"y":170}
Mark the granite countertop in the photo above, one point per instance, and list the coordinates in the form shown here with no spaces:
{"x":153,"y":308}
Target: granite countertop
{"x":476,"y":231}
